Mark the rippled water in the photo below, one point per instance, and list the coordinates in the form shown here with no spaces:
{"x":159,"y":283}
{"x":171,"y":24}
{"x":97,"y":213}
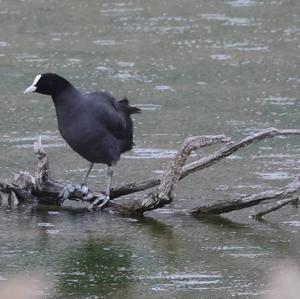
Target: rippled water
{"x":194,"y":67}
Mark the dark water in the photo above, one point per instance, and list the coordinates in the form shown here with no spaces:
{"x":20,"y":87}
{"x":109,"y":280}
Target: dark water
{"x":194,"y":67}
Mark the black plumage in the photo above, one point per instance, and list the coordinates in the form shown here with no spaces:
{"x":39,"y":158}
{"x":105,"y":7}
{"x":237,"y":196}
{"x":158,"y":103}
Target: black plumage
{"x":95,"y":125}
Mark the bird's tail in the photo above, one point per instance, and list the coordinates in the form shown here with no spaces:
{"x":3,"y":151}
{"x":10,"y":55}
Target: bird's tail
{"x":130,"y":109}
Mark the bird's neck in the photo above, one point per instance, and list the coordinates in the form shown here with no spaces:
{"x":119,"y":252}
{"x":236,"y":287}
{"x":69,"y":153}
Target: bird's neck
{"x":66,"y":97}
{"x":67,"y":104}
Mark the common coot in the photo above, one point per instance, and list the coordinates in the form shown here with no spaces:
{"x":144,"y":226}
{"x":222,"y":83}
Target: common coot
{"x":95,"y":125}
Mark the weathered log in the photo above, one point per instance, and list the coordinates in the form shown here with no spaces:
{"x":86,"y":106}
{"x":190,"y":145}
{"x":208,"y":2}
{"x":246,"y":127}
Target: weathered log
{"x":48,"y":190}
{"x":43,"y":188}
{"x":243,"y":202}
{"x":163,"y":195}
{"x":205,"y":162}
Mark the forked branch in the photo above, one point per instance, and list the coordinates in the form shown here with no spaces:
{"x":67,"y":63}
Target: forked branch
{"x":205,"y":162}
{"x":44,"y":189}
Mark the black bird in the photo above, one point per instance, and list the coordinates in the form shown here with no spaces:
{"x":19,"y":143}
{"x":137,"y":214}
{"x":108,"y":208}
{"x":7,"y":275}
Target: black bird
{"x":95,"y":125}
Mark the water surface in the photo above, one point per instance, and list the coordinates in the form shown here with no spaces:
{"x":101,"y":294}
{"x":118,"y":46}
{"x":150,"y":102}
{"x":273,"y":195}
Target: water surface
{"x":194,"y":67}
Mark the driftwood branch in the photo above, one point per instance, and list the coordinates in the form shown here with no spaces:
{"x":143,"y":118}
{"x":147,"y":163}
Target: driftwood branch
{"x":42,"y":188}
{"x":250,"y":200}
{"x":281,"y":204}
{"x":205,"y":162}
{"x":48,"y":190}
{"x":234,"y":147}
{"x":163,"y":195}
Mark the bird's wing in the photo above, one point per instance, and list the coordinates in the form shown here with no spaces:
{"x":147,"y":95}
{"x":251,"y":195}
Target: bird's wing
{"x":105,"y":109}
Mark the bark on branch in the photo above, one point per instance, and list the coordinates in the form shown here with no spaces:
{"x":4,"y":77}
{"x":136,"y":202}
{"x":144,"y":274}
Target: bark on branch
{"x":205,"y":162}
{"x":44,"y":189}
{"x":163,"y":195}
{"x":250,"y":200}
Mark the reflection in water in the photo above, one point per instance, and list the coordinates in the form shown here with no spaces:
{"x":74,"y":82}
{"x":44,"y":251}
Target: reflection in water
{"x":163,"y":236}
{"x":218,"y":220}
{"x":97,"y":267}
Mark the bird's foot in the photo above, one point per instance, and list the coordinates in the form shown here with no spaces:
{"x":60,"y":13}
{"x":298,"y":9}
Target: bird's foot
{"x":99,"y":203}
{"x":71,"y":189}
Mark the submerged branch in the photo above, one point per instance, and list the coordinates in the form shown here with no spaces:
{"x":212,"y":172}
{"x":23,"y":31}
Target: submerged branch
{"x":42,"y":188}
{"x":280,"y":205}
{"x":205,"y":162}
{"x":243,"y":202}
{"x":163,"y":195}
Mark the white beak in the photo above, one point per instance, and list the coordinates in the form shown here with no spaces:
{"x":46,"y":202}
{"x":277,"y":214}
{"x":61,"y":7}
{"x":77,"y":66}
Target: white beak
{"x":31,"y":88}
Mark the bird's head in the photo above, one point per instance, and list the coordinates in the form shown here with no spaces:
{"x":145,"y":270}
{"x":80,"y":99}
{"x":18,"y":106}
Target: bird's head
{"x":48,"y":83}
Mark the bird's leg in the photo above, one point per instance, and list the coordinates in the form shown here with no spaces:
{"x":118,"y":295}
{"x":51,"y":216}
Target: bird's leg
{"x":110,"y":173}
{"x":95,"y":204}
{"x":83,"y":187}
{"x":91,"y":165}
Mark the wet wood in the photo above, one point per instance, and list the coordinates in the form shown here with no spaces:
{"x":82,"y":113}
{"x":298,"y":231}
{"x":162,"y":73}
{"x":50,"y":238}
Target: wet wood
{"x":43,"y":188}
{"x":164,"y":194}
{"x":205,"y":162}
{"x":243,"y":202}
{"x":280,"y":204}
